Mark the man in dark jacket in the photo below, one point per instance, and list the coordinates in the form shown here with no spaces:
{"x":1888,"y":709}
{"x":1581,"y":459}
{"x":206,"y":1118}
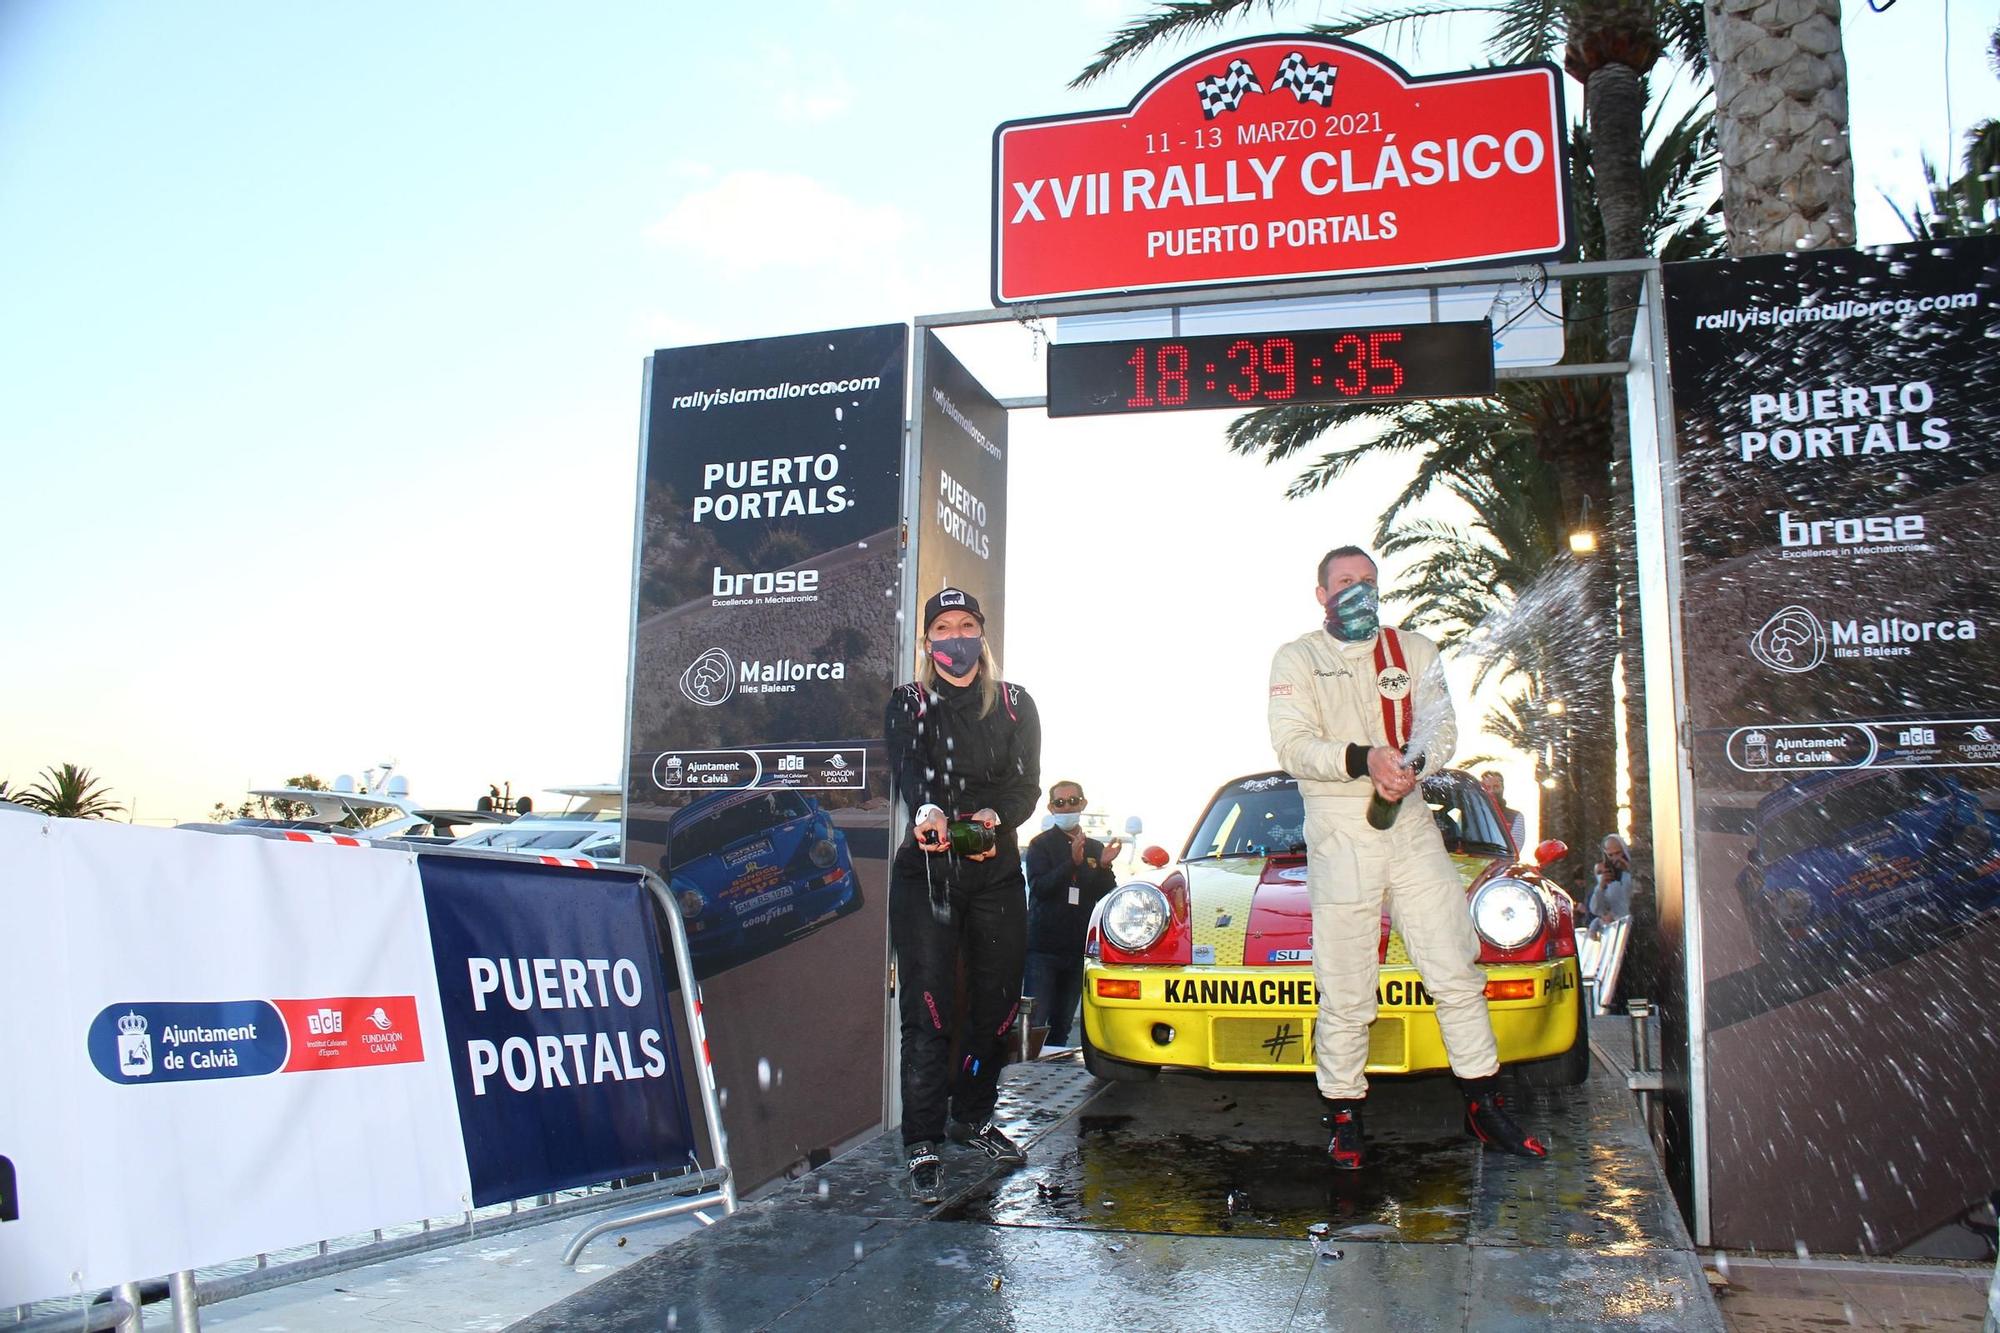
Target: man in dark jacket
{"x":1067,"y":874}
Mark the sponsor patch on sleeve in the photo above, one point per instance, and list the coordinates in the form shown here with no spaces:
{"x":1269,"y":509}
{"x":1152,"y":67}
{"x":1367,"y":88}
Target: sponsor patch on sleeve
{"x":1282,"y":689}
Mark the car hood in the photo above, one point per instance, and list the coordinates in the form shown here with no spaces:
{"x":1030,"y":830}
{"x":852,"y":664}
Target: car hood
{"x":1254,"y":911}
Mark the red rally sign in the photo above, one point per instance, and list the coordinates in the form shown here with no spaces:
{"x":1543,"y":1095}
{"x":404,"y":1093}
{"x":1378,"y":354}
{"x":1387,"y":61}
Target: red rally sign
{"x":1282,"y":157}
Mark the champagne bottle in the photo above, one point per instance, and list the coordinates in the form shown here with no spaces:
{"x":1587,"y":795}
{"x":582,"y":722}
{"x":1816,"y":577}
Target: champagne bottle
{"x":1382,"y":812}
{"x":970,"y":838}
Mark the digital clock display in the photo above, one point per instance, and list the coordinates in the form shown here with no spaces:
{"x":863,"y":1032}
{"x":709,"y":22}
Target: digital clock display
{"x":1236,"y":370}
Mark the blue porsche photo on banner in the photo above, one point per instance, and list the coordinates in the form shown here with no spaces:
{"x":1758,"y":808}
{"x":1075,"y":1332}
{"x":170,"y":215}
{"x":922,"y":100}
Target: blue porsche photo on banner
{"x":752,"y":869}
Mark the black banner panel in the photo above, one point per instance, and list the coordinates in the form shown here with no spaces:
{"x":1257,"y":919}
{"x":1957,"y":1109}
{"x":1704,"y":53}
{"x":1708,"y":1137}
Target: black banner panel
{"x":962,"y":507}
{"x":1838,"y":417}
{"x":1389,"y":364}
{"x":766,"y":645}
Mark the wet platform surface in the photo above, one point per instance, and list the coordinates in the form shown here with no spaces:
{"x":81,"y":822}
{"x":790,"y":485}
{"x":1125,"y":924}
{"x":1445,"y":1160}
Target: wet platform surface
{"x":1187,"y":1203}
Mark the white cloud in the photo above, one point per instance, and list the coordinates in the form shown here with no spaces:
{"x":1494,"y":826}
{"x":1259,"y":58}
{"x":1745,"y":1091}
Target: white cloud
{"x":756,"y":219}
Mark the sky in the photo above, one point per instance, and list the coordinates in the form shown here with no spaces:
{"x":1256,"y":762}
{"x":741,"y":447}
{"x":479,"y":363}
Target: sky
{"x":321,"y":334}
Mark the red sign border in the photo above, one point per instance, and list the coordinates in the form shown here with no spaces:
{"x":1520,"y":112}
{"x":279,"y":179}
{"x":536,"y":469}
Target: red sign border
{"x":1561,"y":146}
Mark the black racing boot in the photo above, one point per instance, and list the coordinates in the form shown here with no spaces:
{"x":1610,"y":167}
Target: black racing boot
{"x":988,"y":1139}
{"x":1486,"y":1119}
{"x":926,"y":1173}
{"x":1345,"y":1146}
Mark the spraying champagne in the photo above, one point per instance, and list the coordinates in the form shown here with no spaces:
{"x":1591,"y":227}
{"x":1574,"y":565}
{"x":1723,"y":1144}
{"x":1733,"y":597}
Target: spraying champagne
{"x":1432,"y":709}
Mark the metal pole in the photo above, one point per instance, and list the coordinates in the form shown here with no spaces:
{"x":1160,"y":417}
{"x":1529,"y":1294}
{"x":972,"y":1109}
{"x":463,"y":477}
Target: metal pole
{"x":133,"y":1321}
{"x":1123,"y":302}
{"x":187,"y":1302}
{"x":711,"y":1105}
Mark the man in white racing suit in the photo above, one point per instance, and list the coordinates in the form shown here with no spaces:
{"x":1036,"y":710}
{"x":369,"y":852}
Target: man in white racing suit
{"x":1346,"y":701}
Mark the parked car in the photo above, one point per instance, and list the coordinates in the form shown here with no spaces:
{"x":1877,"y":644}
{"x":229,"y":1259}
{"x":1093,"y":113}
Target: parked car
{"x":1868,"y":859}
{"x":1209,"y":967}
{"x":753,"y":869}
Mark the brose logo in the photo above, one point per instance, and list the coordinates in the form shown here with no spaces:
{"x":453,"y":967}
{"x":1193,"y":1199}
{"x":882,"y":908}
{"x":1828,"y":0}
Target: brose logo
{"x":763,"y":584}
{"x":1901,"y":530}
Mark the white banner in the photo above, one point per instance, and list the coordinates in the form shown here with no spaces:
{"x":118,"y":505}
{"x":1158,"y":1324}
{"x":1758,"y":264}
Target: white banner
{"x":212,"y":1046}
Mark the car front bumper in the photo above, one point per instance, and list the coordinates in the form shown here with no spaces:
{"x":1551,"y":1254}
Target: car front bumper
{"x":1261,"y":1019}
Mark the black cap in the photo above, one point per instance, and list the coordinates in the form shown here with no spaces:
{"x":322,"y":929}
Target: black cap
{"x":951,"y":599}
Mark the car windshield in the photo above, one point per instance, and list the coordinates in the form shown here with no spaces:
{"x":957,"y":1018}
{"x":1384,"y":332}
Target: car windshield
{"x":1836,"y":815}
{"x":1254,"y":817}
{"x":1464,"y":815}
{"x":732,"y":823}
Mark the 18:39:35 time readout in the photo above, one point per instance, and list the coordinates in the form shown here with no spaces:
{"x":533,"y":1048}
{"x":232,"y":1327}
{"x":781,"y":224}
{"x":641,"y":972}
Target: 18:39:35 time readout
{"x":1271,"y":369}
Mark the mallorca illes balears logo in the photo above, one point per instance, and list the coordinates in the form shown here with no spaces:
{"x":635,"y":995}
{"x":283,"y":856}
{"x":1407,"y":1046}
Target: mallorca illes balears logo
{"x":1792,"y":641}
{"x":710,"y":679}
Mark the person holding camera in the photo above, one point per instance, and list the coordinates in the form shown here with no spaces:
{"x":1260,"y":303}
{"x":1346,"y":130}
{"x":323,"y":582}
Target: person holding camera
{"x":965,"y":754}
{"x":1611,"y":899}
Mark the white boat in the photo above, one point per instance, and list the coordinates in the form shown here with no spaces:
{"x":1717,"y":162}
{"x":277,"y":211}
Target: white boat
{"x":591,"y":825}
{"x":381,"y":814}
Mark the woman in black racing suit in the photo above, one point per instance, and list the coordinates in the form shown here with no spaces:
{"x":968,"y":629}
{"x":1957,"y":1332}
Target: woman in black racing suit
{"x":964,"y":745}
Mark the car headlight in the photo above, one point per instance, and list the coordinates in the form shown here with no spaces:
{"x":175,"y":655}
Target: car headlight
{"x":1791,"y":908}
{"x":1135,"y":917}
{"x":1975,"y":840}
{"x":690,"y":899}
{"x":1507,"y":913}
{"x":824,"y":853}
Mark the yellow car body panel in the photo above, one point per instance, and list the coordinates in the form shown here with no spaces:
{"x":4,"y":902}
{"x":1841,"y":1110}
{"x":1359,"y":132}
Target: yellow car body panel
{"x":1260,"y":1019}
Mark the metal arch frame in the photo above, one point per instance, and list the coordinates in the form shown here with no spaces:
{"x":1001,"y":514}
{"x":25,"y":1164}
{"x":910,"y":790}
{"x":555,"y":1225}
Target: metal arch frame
{"x":1656,"y":514}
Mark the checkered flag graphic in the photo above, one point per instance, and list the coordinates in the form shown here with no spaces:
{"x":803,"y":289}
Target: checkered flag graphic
{"x":1224,"y":92}
{"x":1309,"y":83}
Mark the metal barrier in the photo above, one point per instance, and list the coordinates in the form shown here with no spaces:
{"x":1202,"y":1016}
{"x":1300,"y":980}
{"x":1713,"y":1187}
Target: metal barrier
{"x":1600,"y":954}
{"x":695,"y":1191}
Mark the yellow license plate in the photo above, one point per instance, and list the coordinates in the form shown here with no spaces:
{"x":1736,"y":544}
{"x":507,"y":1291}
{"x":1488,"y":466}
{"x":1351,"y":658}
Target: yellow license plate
{"x":1261,"y":1041}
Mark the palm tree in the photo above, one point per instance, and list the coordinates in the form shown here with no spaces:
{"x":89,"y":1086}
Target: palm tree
{"x":1781,"y":112}
{"x":1609,"y":46}
{"x":70,"y":792}
{"x":1968,"y":204}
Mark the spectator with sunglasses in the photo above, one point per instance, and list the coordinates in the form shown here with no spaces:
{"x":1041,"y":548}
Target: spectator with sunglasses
{"x":1067,"y":874}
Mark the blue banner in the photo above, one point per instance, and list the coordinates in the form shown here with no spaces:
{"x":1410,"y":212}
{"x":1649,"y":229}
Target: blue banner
{"x":556,"y":1022}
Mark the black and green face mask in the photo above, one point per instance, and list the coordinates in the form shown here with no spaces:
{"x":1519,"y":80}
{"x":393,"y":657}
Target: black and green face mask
{"x":1352,"y":616}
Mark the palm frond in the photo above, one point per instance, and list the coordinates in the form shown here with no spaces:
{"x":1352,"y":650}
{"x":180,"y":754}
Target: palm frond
{"x":1171,"y":18}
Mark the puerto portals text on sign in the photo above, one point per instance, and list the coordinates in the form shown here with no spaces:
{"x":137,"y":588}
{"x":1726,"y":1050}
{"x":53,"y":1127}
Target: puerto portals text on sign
{"x":1282,"y":157}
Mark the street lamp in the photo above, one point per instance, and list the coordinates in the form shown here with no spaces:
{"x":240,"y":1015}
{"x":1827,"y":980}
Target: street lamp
{"x":1583,"y":538}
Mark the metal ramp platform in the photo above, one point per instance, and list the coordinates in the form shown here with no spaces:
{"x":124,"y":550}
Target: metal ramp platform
{"x":1193,"y":1203}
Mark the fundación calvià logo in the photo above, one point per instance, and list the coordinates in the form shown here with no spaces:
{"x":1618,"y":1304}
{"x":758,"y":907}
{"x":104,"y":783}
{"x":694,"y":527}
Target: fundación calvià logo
{"x":710,"y":679}
{"x":1792,"y":641}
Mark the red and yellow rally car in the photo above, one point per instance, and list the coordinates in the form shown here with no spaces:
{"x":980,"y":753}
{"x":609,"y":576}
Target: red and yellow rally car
{"x":1211,"y":966}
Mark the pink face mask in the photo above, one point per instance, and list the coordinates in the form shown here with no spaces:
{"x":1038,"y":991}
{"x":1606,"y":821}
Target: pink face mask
{"x":956,"y":657}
